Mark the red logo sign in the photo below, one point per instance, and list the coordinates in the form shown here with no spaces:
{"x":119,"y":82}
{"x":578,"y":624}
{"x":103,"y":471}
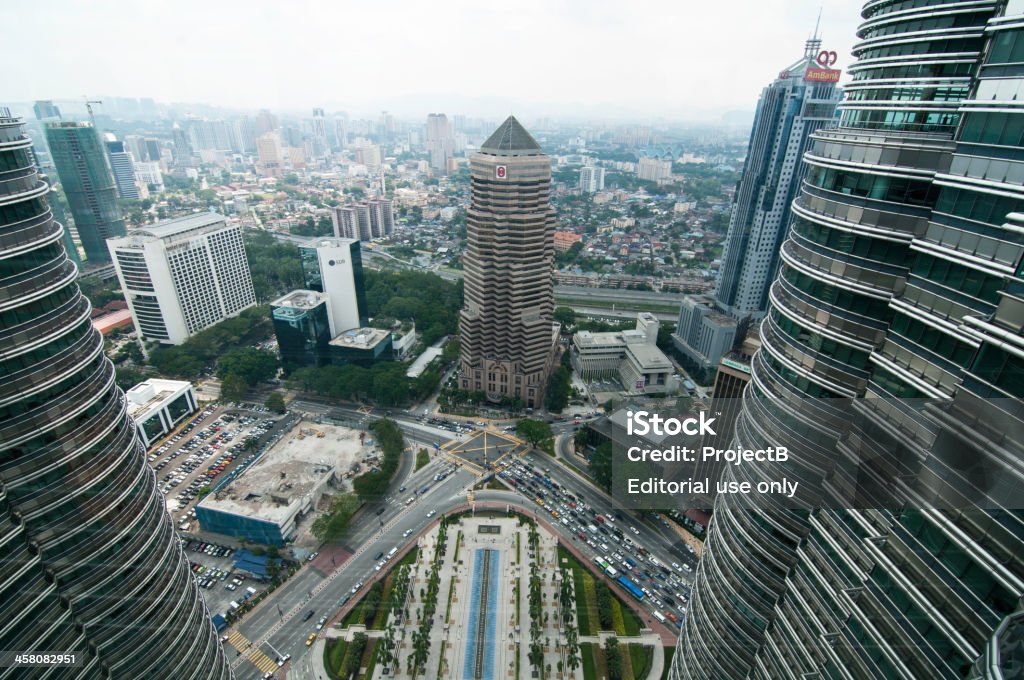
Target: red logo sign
{"x":822,"y":75}
{"x":827,"y":58}
{"x":499,"y":172}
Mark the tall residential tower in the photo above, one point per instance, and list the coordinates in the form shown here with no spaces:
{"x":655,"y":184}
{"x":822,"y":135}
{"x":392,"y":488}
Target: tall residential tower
{"x":505,"y":327}
{"x":91,"y":563}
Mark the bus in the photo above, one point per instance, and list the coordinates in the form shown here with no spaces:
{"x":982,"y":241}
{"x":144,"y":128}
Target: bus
{"x":658,"y":615}
{"x":630,"y":587}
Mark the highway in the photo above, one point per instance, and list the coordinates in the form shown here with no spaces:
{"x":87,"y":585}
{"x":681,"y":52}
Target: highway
{"x":277,"y":625}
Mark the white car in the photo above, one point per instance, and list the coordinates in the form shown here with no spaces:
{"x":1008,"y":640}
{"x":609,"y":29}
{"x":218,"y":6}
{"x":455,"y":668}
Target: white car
{"x":407,"y":533}
{"x":635,"y":530}
{"x":431,"y":514}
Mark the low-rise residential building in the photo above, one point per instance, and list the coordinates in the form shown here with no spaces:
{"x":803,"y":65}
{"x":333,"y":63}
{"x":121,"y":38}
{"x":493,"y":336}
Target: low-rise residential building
{"x":157,"y":406}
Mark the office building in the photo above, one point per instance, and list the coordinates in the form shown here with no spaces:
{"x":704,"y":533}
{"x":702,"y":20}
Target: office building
{"x":45,"y":109}
{"x":91,"y":563}
{"x":365,"y":220}
{"x":158,"y":406}
{"x":653,"y":169}
{"x":591,"y":179}
{"x":632,"y":357}
{"x":123,"y":166}
{"x":302,"y":326}
{"x":368,"y":154}
{"x":789,"y":111}
{"x":440,"y":142}
{"x":149,"y":175}
{"x":183,"y":275}
{"x":506,"y":332}
{"x":703,"y":333}
{"x":88,"y":184}
{"x":900,"y":281}
{"x":334,"y":266}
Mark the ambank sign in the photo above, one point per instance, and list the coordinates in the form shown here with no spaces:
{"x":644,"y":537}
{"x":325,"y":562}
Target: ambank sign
{"x":826,"y":58}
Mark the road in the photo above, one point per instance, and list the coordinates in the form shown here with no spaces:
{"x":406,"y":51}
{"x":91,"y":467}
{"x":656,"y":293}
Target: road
{"x":277,"y":625}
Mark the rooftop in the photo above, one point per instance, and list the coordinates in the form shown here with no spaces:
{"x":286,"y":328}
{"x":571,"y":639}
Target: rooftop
{"x":181,"y":225}
{"x":649,"y":357}
{"x":289,"y":473}
{"x":588,"y":339}
{"x":299,"y":299}
{"x":146,"y":395}
{"x":511,"y":139}
{"x":361,"y":338}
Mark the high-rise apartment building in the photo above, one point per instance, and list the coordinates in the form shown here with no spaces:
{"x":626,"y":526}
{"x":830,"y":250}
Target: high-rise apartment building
{"x":123,"y":166}
{"x":334,"y":266}
{"x":320,"y":144}
{"x":900,"y":281}
{"x":183,"y":275}
{"x":789,"y":111}
{"x":505,"y":327}
{"x":270,"y":154}
{"x":591,"y":179}
{"x":364,"y":221}
{"x":88,"y":184}
{"x":653,"y":169}
{"x":91,"y":563}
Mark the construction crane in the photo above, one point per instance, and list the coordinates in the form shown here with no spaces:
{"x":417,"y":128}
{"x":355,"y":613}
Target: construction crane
{"x":88,"y":105}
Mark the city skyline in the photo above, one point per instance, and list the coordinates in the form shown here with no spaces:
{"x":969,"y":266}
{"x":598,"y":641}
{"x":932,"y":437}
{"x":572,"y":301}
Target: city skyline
{"x":665,"y":68}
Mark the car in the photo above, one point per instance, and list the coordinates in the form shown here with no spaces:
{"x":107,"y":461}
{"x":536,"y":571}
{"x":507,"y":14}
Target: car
{"x":312,"y":556}
{"x":310,"y":639}
{"x":321,"y":622}
{"x":635,"y":530}
{"x":431,"y":514}
{"x":378,"y":556}
{"x":676,"y":567}
{"x":407,"y":533}
{"x":282,"y":660}
{"x":308,"y":615}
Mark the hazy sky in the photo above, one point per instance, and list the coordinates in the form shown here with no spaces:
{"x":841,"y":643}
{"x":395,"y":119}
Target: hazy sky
{"x":594,"y":58}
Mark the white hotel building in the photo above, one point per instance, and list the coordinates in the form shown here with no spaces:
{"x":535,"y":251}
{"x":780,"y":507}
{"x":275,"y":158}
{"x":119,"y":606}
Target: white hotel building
{"x":183,"y":275}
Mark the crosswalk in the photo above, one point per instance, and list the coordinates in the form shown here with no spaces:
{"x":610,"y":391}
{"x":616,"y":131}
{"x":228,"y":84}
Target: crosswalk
{"x":255,"y":656}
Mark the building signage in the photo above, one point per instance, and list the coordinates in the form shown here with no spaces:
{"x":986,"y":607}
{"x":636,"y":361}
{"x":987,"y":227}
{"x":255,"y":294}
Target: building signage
{"x":640,"y":384}
{"x":735,"y":364}
{"x":500,"y":171}
{"x":822,"y":75}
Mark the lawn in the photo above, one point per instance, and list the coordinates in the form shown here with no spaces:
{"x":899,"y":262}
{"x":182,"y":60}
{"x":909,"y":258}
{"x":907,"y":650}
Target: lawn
{"x":587,"y":654}
{"x":669,"y":651}
{"x":334,"y":655}
{"x":626,"y":622}
{"x":422,"y":458}
{"x":369,"y":657}
{"x":641,"y":658}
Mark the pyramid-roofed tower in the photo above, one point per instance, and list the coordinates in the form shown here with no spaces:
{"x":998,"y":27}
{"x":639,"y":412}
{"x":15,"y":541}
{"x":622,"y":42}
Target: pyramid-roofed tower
{"x":505,"y":328}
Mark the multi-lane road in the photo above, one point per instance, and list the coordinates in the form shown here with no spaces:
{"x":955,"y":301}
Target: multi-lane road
{"x":276,"y":627}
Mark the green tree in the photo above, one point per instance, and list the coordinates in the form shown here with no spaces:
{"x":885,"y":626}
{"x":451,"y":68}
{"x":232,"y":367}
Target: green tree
{"x":565,"y":316}
{"x":536,"y":432}
{"x":233,"y":388}
{"x":556,"y":396}
{"x":331,"y":525}
{"x":601,"y":465}
{"x":251,"y":364}
{"x":275,"y":402}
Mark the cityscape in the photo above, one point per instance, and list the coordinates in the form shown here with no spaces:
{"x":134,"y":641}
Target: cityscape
{"x":329,"y":367}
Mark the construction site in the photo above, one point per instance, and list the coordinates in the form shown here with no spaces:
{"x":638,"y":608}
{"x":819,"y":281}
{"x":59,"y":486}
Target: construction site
{"x":268,"y":501}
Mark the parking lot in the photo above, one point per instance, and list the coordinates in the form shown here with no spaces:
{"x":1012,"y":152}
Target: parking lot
{"x":212,"y":444}
{"x":211,"y":564}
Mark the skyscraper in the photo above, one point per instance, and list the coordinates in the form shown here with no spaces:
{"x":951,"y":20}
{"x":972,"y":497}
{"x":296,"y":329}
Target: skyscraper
{"x":440,"y":142}
{"x":183,"y":275}
{"x":123,"y":166}
{"x":505,"y":327}
{"x":900,"y":281}
{"x":334,"y":266}
{"x":91,"y":561}
{"x":88,"y":184}
{"x":789,"y":110}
